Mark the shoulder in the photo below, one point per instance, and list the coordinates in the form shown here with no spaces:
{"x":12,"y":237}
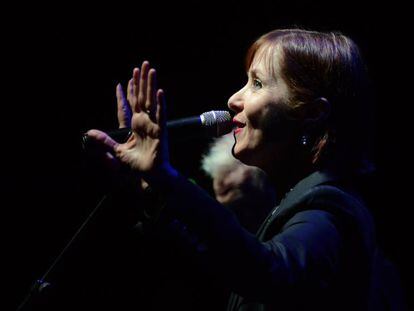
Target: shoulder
{"x":327,"y":197}
{"x":345,"y":206}
{"x":328,"y":202}
{"x":328,"y":190}
{"x":332,"y":198}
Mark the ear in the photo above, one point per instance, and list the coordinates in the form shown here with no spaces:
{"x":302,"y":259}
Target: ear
{"x":317,"y":111}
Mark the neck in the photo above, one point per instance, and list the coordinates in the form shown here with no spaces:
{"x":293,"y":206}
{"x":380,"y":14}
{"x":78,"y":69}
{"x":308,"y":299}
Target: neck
{"x":286,"y":173}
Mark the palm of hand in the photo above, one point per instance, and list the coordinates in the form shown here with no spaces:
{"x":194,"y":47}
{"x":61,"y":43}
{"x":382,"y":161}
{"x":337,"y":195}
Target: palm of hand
{"x":143,"y":150}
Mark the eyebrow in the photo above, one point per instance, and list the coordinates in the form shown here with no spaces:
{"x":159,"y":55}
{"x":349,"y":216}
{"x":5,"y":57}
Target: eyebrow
{"x":256,"y":73}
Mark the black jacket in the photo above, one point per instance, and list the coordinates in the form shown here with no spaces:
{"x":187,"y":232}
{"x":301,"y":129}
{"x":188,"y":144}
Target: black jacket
{"x":315,"y":251}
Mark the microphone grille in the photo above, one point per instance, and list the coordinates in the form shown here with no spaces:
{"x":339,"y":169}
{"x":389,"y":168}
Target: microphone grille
{"x":219,"y":119}
{"x":213,"y":117}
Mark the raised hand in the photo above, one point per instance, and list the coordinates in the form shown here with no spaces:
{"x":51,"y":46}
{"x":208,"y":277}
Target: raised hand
{"x":146,"y":150}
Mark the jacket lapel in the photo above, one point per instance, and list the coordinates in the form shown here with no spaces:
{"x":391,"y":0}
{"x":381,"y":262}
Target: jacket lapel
{"x":293,"y":197}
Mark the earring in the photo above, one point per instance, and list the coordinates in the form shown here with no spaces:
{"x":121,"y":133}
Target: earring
{"x":304,"y":140}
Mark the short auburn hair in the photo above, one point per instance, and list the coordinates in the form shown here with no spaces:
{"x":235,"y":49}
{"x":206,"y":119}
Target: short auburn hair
{"x":329,"y":65}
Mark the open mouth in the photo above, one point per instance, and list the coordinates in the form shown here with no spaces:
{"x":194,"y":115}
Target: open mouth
{"x":239,"y":126}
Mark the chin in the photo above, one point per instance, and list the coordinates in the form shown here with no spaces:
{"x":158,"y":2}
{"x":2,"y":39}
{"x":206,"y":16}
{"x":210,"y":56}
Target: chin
{"x":250,"y":157}
{"x":244,"y":151}
{"x":236,"y":152}
{"x":243,"y":155}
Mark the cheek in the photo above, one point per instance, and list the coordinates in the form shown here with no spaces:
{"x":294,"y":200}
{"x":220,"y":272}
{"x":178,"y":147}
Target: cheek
{"x":252,"y":135}
{"x":276,"y":125}
{"x":255,"y":115}
{"x":262,"y":111}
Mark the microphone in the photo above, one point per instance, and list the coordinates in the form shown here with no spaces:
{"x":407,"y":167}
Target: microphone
{"x":212,"y":123}
{"x":217,"y":121}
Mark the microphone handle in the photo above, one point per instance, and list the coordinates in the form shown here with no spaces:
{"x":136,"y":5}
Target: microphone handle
{"x":181,"y":129}
{"x":188,"y":123}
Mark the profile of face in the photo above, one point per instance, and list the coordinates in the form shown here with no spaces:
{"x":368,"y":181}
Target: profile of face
{"x":234,"y":183}
{"x":260,"y":108}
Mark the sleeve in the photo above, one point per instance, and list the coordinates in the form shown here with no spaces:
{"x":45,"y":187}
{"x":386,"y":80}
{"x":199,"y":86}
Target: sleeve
{"x":303,"y":254}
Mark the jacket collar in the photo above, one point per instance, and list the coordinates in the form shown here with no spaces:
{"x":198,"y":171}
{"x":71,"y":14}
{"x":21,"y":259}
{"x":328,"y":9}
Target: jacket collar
{"x":314,"y":179}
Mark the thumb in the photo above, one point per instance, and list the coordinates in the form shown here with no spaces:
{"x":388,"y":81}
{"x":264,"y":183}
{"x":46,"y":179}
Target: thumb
{"x":102,"y":140}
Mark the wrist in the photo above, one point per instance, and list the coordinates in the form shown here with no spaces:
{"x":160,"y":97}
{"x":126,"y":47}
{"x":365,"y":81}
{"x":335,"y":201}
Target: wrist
{"x":163,"y":177}
{"x":159,"y":183}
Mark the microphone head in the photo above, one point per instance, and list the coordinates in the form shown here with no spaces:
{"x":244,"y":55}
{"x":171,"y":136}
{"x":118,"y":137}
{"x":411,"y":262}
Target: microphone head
{"x":218,"y":121}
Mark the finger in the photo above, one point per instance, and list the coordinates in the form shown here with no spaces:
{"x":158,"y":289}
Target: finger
{"x":135,"y":90}
{"x":143,"y":85}
{"x":130,"y":91}
{"x":151,"y":103}
{"x":124,"y":111}
{"x":160,"y":115}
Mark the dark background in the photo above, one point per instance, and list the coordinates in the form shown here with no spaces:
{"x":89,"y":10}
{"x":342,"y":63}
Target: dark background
{"x":61,"y":64}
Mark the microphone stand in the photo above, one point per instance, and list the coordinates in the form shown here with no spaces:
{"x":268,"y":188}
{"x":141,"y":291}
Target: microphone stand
{"x":41,"y":284}
{"x":182,"y":130}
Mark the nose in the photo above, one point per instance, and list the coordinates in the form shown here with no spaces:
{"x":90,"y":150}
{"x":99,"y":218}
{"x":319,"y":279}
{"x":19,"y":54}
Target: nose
{"x":235,"y":102}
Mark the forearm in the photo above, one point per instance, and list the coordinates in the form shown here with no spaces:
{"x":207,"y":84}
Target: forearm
{"x":237,"y":258}
{"x":304,"y":252}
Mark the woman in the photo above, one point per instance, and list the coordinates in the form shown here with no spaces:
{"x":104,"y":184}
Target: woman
{"x":300,"y":118}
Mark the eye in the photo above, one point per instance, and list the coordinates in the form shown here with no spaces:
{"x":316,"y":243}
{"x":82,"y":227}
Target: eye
{"x":257,"y":84}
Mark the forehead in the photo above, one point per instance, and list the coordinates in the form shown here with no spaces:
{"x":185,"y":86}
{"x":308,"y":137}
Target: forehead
{"x":267,"y":59}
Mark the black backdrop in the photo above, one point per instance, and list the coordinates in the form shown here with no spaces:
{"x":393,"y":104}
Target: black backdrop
{"x":60,"y":69}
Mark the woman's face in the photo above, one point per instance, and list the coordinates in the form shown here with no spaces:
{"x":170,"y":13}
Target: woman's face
{"x":259,"y":107}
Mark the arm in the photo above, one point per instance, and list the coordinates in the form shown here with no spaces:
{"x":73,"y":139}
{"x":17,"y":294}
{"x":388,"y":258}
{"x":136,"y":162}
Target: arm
{"x":304,"y":254}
